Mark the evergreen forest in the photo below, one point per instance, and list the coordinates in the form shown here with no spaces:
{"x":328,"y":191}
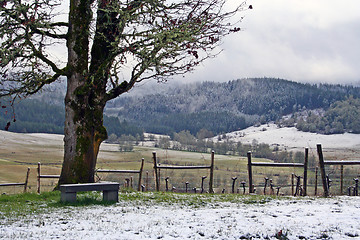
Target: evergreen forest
{"x":228,"y":106}
{"x":208,"y":107}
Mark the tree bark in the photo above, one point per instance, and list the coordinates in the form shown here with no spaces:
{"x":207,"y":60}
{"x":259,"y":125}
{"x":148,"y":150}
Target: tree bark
{"x":84,"y":130}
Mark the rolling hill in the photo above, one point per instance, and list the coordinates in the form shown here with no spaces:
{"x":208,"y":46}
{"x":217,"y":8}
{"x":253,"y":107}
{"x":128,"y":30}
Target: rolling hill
{"x":216,"y":107}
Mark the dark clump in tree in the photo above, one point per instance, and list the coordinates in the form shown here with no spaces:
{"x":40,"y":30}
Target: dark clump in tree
{"x":103,"y":38}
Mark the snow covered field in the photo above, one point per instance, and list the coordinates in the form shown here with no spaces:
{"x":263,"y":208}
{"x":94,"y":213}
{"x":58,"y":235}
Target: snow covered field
{"x":290,"y":218}
{"x":290,"y":138}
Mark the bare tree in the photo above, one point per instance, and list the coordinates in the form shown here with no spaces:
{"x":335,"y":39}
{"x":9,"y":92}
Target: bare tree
{"x":105,"y":40}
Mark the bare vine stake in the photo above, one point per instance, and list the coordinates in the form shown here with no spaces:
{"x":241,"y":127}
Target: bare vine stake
{"x":297,"y":185}
{"x":233,"y":184}
{"x":243,"y":185}
{"x":271,"y":187}
{"x":202,"y":183}
{"x":186,"y":186}
{"x":127,"y":184}
{"x":167,"y":183}
{"x":277,"y":192}
{"x":266,"y":180}
{"x":356,"y":186}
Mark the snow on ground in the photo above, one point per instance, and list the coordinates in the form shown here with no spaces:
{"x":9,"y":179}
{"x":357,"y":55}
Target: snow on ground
{"x":305,"y":218}
{"x":292,"y":138}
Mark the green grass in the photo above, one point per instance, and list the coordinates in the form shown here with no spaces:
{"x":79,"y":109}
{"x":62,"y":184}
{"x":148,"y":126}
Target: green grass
{"x":13,"y":206}
{"x":25,"y":204}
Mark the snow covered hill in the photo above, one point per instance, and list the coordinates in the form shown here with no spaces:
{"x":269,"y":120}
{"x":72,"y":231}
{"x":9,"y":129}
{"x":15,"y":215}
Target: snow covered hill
{"x":291,"y":138}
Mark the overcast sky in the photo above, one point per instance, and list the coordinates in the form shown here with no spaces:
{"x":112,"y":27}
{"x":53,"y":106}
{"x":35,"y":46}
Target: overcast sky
{"x":314,"y":41}
{"x":300,"y":40}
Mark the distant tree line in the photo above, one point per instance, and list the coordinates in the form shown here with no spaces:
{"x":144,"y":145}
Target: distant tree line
{"x":37,"y":116}
{"x":216,"y":122}
{"x":33,"y":116}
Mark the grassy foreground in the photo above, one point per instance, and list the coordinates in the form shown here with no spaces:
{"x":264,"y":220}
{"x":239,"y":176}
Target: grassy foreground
{"x":14,"y":206}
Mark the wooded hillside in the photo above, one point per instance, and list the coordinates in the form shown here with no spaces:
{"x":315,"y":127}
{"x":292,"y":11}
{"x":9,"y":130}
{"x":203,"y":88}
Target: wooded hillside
{"x":225,"y":107}
{"x":216,"y":107}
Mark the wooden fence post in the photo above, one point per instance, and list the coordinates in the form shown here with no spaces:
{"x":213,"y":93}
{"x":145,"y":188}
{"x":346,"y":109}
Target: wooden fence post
{"x":38,"y":178}
{"x":341,"y":179}
{"x":211,"y":179}
{"x":26,"y":179}
{"x":140,"y":173}
{"x":292,"y":183}
{"x":322,"y":170}
{"x":305,"y":171}
{"x":156,"y":173}
{"x":251,"y":189}
{"x":147,"y":181}
{"x":316,"y":179}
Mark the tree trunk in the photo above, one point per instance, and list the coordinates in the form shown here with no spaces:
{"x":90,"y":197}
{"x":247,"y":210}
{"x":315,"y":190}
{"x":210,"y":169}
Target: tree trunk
{"x":84,"y":132}
{"x":84,"y":104}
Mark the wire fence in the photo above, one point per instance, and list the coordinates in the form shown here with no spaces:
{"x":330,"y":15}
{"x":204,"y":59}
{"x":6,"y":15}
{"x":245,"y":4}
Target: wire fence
{"x":342,"y":180}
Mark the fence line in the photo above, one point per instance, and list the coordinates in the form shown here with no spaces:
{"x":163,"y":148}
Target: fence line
{"x":25,"y":184}
{"x":39,"y":176}
{"x":157,"y":168}
{"x":267,"y":164}
{"x":325,"y":178}
{"x":140,"y":171}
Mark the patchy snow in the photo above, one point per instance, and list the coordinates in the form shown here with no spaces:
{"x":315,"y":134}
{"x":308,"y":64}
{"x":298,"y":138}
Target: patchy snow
{"x":305,"y":218}
{"x":289,"y":138}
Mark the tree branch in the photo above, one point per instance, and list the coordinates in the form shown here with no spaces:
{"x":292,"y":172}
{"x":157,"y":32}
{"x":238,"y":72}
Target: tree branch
{"x":49,"y":34}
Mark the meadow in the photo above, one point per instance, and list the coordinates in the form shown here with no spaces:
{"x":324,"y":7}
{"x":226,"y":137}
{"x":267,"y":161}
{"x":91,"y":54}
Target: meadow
{"x":20,"y":151}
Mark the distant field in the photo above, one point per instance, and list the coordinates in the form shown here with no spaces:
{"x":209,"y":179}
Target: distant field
{"x":20,"y":151}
